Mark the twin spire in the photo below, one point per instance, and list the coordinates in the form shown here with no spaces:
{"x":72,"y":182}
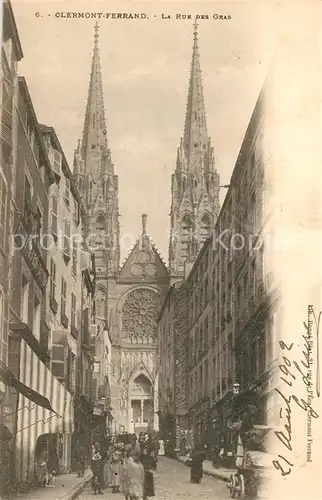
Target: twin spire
{"x":195,"y":137}
{"x":94,"y":142}
{"x":94,"y":145}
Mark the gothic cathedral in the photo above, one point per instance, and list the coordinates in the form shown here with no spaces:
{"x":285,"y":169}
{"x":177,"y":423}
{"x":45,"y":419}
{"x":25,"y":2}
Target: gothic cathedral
{"x":129,"y":297}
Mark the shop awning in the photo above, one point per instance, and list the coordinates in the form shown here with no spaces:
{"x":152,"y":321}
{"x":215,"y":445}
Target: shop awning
{"x":23,"y":330}
{"x":9,"y":379}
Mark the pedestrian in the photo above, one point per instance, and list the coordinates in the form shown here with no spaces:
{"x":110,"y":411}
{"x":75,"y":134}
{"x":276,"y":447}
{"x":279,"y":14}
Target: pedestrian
{"x":81,"y":460}
{"x":117,"y":458}
{"x":161,"y":447}
{"x":53,"y":462}
{"x":135,"y":474}
{"x":125,"y":481}
{"x":108,"y":467}
{"x":148,"y":463}
{"x":97,"y":468}
{"x":197,"y":458}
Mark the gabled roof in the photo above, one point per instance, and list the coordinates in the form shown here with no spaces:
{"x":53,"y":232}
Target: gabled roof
{"x":144,"y":261}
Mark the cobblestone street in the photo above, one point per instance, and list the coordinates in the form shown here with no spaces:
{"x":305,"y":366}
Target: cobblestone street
{"x":172,"y":480}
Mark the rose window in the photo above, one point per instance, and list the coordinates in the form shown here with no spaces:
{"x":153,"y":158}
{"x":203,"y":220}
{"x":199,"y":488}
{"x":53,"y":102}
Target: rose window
{"x":140,"y":313}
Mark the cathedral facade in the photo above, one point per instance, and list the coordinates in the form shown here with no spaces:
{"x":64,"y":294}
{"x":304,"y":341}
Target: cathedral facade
{"x":128,"y":297}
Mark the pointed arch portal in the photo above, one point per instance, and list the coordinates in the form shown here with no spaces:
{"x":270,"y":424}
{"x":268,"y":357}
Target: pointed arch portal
{"x":141,"y":399}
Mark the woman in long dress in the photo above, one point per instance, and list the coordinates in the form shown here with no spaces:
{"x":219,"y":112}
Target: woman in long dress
{"x":125,"y":481}
{"x":196,"y":469}
{"x":148,"y":462}
{"x":117,"y":458}
{"x":108,"y":467}
{"x":135,"y":474}
{"x":161,"y":448}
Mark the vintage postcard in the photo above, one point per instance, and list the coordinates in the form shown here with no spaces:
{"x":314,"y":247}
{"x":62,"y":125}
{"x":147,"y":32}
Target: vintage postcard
{"x":160,"y":249}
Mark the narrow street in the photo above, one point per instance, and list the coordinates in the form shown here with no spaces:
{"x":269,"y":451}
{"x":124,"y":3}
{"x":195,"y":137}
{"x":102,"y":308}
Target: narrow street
{"x":172,"y":481}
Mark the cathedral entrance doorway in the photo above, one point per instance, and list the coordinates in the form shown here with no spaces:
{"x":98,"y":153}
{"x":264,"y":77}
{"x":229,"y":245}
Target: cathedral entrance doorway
{"x":141,"y":405}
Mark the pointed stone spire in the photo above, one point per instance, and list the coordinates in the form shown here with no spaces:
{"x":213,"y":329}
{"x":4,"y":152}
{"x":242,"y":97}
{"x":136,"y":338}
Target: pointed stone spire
{"x":94,"y":133}
{"x":195,"y":138}
{"x":195,"y":183}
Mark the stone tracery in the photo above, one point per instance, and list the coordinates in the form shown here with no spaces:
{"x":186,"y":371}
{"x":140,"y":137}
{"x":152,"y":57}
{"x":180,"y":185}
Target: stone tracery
{"x":140,"y":312}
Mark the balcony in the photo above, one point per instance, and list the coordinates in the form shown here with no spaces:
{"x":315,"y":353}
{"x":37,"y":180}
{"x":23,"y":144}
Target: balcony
{"x":32,"y":252}
{"x":53,"y":304}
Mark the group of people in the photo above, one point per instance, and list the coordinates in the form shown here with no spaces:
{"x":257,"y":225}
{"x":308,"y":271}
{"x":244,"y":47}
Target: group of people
{"x":126,"y":468}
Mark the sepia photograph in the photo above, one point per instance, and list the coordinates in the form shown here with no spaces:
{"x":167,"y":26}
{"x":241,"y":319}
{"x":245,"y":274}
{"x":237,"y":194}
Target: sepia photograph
{"x":160,"y":250}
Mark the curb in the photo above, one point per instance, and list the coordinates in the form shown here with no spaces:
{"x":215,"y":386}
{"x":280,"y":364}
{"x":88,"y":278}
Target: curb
{"x":217,"y":476}
{"x":77,"y":489}
{"x":211,"y":473}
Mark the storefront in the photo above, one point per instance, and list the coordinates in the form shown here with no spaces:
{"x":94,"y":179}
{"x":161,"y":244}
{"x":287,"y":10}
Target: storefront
{"x":83,"y":410}
{"x":98,"y":425}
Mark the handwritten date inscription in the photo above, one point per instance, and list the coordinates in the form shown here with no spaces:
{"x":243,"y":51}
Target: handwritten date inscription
{"x":292,"y":370}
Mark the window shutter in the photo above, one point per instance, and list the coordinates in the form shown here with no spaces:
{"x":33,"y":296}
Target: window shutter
{"x":67,"y":237}
{"x":54,"y":224}
{"x":59,"y":355}
{"x":86,"y":327}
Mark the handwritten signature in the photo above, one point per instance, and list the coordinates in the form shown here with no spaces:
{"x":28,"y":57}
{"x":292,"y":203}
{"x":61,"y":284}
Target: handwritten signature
{"x":290,"y":370}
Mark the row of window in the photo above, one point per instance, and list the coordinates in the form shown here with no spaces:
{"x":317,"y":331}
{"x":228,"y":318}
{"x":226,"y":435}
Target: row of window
{"x":63,"y":294}
{"x":221,"y":370}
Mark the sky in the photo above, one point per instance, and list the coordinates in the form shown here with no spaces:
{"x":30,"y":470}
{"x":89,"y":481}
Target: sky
{"x":145,"y":69}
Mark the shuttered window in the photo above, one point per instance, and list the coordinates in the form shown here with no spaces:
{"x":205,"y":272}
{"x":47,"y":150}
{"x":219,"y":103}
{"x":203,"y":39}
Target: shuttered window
{"x":54,"y":224}
{"x":67,"y":237}
{"x":58,"y":355}
{"x":63,"y":297}
{"x":52,"y":278}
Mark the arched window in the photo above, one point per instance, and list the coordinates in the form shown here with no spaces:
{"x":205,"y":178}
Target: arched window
{"x":186,"y":227}
{"x":100,"y":222}
{"x":205,"y":227}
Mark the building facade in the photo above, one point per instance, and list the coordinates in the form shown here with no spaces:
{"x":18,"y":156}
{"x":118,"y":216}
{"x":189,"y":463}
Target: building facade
{"x":64,"y":262}
{"x":232,"y":309}
{"x":195,"y":182}
{"x":83,"y":403}
{"x":135,"y":301}
{"x":42,"y":407}
{"x":173,"y":366}
{"x":128,"y":298}
{"x":11,"y":54}
{"x":194,"y":211}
